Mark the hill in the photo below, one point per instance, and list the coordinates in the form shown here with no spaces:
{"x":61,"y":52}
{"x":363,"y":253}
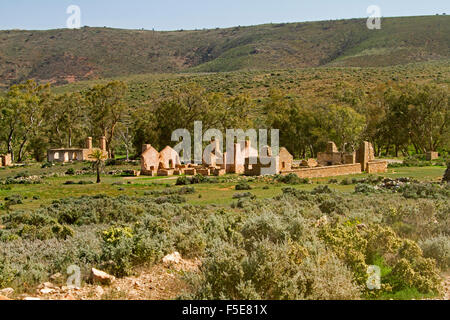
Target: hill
{"x":65,"y":56}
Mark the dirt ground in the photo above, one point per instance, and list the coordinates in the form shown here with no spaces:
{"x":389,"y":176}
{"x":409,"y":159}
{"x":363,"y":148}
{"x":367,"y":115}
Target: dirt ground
{"x":160,"y":282}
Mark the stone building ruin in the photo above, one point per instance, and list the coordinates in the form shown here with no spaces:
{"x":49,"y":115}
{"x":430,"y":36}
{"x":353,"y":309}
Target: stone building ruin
{"x":245,"y":160}
{"x":5,"y":160}
{"x":331,"y":163}
{"x":76,"y":154}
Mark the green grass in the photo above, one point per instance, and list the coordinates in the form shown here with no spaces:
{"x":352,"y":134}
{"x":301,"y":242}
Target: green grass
{"x":406,"y":294}
{"x":220,"y":193}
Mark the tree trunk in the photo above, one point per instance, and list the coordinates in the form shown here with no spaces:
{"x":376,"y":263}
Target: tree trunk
{"x":21,"y":150}
{"x":70,"y":137}
{"x":98,"y":173}
{"x":10,"y":146}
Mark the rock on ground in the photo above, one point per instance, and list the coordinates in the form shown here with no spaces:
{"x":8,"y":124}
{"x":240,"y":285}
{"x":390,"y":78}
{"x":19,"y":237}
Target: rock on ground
{"x":98,"y":276}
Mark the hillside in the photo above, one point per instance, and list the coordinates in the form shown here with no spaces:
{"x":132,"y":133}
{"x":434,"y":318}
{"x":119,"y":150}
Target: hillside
{"x":65,"y":56}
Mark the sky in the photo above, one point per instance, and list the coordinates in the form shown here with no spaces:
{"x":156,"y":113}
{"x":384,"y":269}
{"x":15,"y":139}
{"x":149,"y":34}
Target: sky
{"x":199,"y":14}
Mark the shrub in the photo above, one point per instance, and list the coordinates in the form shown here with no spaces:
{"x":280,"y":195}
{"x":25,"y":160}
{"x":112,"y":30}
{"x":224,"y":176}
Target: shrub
{"x":359,"y":248}
{"x":324,"y":189}
{"x":331,"y":205}
{"x":365,"y":188}
{"x":198,"y":179}
{"x":425,"y":190}
{"x":47,"y":165}
{"x":242,"y":186}
{"x":70,"y":171}
{"x":117,"y":251}
{"x":244,"y":195}
{"x":291,"y":178}
{"x":175,"y":199}
{"x":437,"y":248}
{"x":183,"y":181}
{"x":186,"y":190}
{"x":14,"y":199}
{"x":272,"y":271}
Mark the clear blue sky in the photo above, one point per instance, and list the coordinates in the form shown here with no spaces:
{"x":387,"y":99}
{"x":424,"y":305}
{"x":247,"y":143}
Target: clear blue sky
{"x":197,"y":14}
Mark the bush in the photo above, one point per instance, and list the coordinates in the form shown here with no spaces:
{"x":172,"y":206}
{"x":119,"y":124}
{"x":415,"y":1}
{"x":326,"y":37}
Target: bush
{"x":183,"y":181}
{"x":174,"y":199}
{"x":425,"y":190}
{"x":331,"y":205}
{"x":365,"y":188}
{"x":437,"y":248}
{"x":242,"y":186}
{"x":244,"y":195}
{"x":322,"y":190}
{"x":358,"y":248}
{"x":47,"y":165}
{"x":70,"y":171}
{"x":117,"y":251}
{"x":291,"y":178}
{"x":272,"y":271}
{"x":14,"y":199}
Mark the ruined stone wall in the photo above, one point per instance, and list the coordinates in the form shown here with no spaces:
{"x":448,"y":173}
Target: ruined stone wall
{"x":329,"y":171}
{"x":432,"y":156}
{"x":258,"y":166}
{"x":286,"y":160}
{"x":329,"y":159}
{"x":235,"y":162}
{"x":169,"y":158}
{"x":377,"y":166}
{"x":5,"y":160}
{"x":149,"y":160}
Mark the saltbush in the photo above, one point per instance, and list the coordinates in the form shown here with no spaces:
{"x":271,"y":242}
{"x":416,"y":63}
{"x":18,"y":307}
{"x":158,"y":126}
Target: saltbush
{"x":242,"y":186}
{"x":437,"y":248}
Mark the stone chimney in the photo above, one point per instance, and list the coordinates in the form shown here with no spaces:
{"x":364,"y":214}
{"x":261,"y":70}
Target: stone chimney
{"x":145,"y":147}
{"x":331,"y":147}
{"x":89,"y":143}
{"x":103,"y":143}
{"x":215,"y":146}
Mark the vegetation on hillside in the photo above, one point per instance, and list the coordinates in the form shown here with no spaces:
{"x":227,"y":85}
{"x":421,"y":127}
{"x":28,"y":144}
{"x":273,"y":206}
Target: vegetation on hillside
{"x":64,"y":56}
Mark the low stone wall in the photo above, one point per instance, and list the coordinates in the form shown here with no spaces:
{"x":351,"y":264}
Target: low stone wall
{"x":330,"y":171}
{"x":377,"y":166}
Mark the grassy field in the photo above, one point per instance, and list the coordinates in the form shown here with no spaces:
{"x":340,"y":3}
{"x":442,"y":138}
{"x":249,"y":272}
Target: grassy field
{"x":221,"y":193}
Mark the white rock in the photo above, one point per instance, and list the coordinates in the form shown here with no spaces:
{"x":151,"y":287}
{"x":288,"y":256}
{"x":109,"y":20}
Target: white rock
{"x":47,"y":291}
{"x":101,"y":277}
{"x":7,"y":292}
{"x":99,"y":291}
{"x":174,"y":258}
{"x":46,"y":285}
{"x":56,"y":276}
{"x":31,"y":299}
